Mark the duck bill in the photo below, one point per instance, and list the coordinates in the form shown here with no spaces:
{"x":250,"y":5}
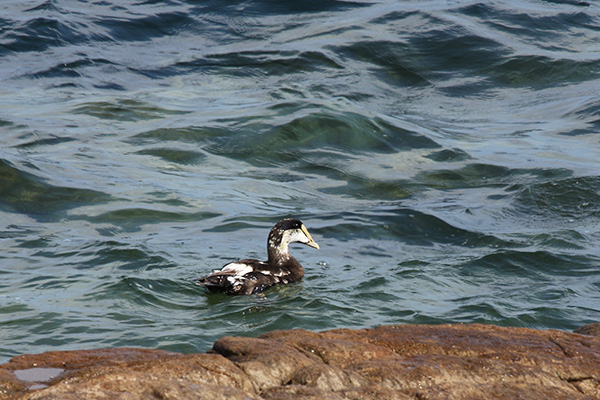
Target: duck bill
{"x":310,"y":242}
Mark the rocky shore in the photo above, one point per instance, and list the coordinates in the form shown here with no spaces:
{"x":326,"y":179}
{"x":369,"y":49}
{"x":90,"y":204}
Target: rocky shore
{"x":389,"y":362}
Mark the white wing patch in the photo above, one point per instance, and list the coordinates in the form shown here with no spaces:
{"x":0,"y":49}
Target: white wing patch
{"x":238,"y":269}
{"x":236,"y":280}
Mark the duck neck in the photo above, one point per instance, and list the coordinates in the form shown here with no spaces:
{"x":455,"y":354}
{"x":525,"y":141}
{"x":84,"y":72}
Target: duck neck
{"x":278,"y":253}
{"x":277,"y":247}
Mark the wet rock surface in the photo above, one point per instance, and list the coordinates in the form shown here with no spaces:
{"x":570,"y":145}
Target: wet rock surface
{"x":589,"y":329}
{"x":388,"y":362}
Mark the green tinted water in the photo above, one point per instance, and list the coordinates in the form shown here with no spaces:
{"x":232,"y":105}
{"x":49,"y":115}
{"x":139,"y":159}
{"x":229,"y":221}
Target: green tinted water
{"x":444,"y":157}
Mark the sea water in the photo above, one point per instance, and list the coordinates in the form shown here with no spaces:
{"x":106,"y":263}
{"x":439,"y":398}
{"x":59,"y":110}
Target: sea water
{"x":444,"y":155}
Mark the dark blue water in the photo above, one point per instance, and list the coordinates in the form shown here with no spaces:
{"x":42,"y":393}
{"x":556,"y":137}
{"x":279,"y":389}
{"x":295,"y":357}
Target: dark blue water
{"x":445,"y":155}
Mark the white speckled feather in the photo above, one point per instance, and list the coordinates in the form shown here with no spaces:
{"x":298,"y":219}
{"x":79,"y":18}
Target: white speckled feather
{"x":236,"y":280}
{"x":238,"y":268}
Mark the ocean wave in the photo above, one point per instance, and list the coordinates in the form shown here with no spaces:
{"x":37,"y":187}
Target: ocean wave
{"x":443,"y":156}
{"x":24,"y":192}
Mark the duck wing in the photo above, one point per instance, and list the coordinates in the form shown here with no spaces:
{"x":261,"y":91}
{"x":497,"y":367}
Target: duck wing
{"x":240,"y":277}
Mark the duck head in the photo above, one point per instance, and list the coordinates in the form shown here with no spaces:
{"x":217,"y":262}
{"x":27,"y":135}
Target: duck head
{"x":284,"y":232}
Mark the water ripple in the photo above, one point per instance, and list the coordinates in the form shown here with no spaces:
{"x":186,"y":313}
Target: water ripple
{"x":443,"y":155}
{"x":24,"y":192}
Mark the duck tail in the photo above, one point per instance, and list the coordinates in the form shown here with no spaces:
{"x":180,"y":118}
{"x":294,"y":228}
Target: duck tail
{"x":214,"y":283}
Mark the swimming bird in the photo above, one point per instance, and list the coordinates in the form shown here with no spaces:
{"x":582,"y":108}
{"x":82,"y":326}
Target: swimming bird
{"x":249,"y":276}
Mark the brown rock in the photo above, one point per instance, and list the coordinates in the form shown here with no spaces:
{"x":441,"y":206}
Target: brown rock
{"x":389,"y":362}
{"x":9,"y":384}
{"x":126,"y":373}
{"x":433,"y":362}
{"x":85,"y":358}
{"x":589,"y":329}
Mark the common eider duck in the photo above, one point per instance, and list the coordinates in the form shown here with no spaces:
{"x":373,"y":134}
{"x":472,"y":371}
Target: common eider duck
{"x":250,"y":276}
